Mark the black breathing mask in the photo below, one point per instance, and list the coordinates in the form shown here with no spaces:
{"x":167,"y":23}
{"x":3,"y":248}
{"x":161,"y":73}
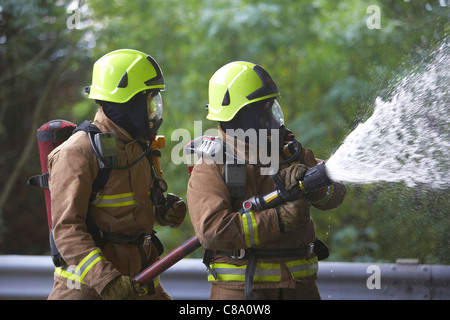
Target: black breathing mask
{"x":141,"y":116}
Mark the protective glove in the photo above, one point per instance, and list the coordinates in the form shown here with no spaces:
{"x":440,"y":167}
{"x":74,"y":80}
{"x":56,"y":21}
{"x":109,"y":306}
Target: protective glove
{"x":292,"y":175}
{"x":293,"y":214}
{"x":122,"y":288}
{"x":173,"y":212}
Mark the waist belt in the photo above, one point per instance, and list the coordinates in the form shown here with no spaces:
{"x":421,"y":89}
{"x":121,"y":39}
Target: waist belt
{"x":253,"y":254}
{"x":141,"y":240}
{"x":245,"y":254}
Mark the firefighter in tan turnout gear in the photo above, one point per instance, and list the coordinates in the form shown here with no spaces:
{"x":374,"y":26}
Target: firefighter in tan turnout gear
{"x":105,"y":236}
{"x":273,"y":253}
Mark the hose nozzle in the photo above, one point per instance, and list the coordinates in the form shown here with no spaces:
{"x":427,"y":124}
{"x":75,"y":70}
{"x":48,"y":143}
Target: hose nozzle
{"x":315,"y":178}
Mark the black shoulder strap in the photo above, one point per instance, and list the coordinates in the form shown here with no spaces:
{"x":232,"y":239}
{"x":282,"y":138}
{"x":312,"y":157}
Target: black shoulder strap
{"x":87,"y":127}
{"x":98,"y":184}
{"x":103,"y":173}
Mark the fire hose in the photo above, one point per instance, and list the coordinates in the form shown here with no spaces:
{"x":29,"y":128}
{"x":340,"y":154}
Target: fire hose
{"x":315,"y":178}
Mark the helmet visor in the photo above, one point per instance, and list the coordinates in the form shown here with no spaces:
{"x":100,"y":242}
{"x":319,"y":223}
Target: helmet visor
{"x":154,"y":106}
{"x":272,"y":116}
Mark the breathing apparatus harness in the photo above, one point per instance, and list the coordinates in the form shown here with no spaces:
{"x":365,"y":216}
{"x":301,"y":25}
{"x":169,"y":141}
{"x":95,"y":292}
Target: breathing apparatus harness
{"x":53,"y":133}
{"x":104,"y":147}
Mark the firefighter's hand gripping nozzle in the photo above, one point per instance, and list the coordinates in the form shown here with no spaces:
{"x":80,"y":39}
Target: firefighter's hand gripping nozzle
{"x":315,"y":179}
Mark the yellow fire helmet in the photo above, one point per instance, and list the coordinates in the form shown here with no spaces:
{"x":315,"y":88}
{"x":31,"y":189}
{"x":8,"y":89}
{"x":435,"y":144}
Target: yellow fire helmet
{"x":236,"y":85}
{"x":119,"y":75}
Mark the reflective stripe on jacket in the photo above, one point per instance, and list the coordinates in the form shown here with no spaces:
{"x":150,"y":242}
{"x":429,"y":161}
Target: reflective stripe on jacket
{"x":265,"y":272}
{"x":76,"y":274}
{"x":250,"y":229}
{"x":115,"y":200}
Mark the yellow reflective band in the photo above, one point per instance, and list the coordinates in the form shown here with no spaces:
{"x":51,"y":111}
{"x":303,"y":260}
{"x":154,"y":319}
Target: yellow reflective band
{"x":250,"y":229}
{"x":91,"y":259}
{"x":69,"y":272}
{"x":156,"y":282}
{"x":265,"y":272}
{"x":77,"y":273}
{"x":117,"y":200}
{"x":303,"y":267}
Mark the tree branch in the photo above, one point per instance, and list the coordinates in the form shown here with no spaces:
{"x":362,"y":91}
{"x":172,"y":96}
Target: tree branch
{"x":31,"y":140}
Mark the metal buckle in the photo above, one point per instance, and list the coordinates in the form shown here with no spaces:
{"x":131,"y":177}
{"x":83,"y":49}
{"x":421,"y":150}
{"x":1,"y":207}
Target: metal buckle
{"x":147,"y":240}
{"x":238,"y":254}
{"x":311,"y":248}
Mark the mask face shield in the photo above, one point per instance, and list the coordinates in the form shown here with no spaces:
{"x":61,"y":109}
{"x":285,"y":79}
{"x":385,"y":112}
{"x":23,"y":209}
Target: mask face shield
{"x":272,"y":116}
{"x":154,"y":111}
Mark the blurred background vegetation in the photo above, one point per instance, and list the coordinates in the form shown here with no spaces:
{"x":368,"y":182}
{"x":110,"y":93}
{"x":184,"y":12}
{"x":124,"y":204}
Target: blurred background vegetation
{"x":328,"y":64}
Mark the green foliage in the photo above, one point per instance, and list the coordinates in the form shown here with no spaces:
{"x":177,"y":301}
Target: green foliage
{"x":383,"y":222}
{"x":40,"y":63}
{"x":328,"y":64}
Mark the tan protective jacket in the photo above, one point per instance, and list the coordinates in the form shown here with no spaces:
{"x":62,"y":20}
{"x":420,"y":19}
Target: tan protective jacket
{"x":220,"y":227}
{"x":123,"y":207}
